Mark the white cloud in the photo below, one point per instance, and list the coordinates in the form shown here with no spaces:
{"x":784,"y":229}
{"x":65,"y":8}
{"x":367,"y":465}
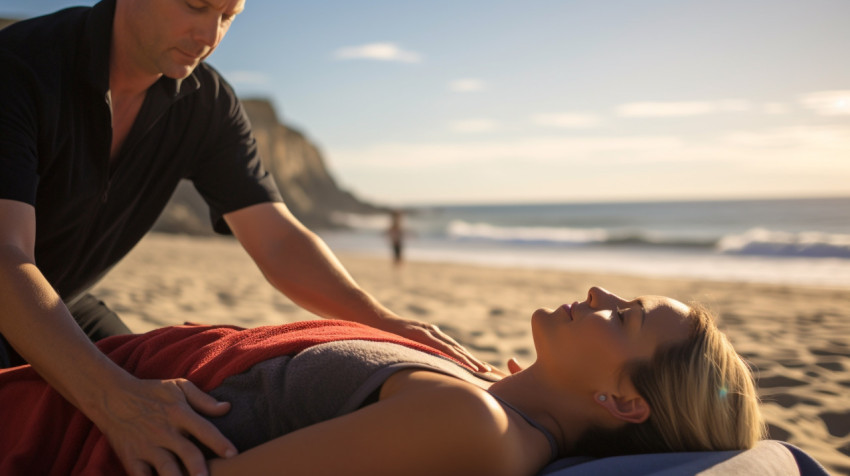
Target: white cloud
{"x":665,"y":109}
{"x":794,"y":148}
{"x":466,"y":85}
{"x":536,"y":150}
{"x":774,"y":161}
{"x":822,"y":138}
{"x":775,"y":108}
{"x":828,"y":103}
{"x":681,"y":108}
{"x":733,"y":105}
{"x":379,"y":52}
{"x":473,"y":126}
{"x":567,"y":120}
{"x":247,"y":78}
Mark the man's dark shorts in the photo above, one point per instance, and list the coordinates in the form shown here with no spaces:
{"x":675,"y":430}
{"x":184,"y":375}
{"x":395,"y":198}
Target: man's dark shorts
{"x":93,"y":317}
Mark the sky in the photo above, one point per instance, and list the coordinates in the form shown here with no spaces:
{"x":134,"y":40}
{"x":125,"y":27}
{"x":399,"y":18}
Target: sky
{"x":493,"y":101}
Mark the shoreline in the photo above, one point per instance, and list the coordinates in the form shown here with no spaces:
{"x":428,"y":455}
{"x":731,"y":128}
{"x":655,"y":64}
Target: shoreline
{"x":796,"y":337}
{"x":635,"y":261}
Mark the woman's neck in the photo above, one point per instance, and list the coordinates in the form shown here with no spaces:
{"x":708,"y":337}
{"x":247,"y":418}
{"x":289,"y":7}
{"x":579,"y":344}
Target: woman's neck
{"x":564,"y":414}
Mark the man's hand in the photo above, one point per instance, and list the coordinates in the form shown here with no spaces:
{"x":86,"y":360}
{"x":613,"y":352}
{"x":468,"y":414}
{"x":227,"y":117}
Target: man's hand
{"x":147,"y":422}
{"x":432,"y":336}
{"x":148,"y":426}
{"x":513,"y":367}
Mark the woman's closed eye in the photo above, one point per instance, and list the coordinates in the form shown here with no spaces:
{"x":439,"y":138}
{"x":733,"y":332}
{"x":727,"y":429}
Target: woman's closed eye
{"x":620,"y":315}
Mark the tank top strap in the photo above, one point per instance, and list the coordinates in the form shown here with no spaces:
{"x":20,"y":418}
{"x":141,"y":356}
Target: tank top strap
{"x":553,"y":445}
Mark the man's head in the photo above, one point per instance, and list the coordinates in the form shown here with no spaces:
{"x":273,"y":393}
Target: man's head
{"x":170,"y":37}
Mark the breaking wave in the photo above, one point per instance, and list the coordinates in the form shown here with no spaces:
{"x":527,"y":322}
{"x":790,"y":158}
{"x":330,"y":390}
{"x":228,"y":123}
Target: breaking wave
{"x":763,"y":242}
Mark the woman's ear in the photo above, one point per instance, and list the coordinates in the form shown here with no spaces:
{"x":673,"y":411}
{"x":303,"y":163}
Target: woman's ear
{"x":631,"y":409}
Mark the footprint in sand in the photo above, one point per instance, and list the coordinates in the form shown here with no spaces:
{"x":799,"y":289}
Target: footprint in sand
{"x":834,"y":366}
{"x":779,"y":381}
{"x":788,"y":400}
{"x":831,"y":352}
{"x":285,"y":307}
{"x":482,"y":348}
{"x":760,"y":364}
{"x":775,"y":432}
{"x":792,"y":364}
{"x":824,"y":391}
{"x":418,"y":310}
{"x":226,"y":298}
{"x":838,"y":424}
{"x":508,"y":331}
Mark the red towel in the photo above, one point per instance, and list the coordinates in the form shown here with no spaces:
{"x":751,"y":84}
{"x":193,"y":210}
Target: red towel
{"x":41,"y":433}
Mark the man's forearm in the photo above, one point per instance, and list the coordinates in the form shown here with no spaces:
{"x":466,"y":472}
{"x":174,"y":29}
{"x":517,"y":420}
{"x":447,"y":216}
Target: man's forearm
{"x":307,"y":271}
{"x":299,"y":264}
{"x":36,"y":322}
{"x":147,"y":422}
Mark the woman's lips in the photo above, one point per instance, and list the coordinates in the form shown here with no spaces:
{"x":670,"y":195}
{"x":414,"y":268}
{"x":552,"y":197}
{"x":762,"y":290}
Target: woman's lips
{"x":568,"y":309}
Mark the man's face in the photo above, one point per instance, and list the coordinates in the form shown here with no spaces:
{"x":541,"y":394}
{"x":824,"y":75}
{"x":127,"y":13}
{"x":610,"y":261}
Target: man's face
{"x":171,"y":37}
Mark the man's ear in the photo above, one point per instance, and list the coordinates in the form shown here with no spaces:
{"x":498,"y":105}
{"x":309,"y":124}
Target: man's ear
{"x":631,"y":409}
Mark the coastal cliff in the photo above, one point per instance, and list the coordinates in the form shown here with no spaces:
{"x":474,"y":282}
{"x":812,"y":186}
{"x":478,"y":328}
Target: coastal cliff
{"x":298,"y":167}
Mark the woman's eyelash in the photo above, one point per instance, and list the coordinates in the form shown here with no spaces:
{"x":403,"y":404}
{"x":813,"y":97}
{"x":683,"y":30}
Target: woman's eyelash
{"x":620,"y":315}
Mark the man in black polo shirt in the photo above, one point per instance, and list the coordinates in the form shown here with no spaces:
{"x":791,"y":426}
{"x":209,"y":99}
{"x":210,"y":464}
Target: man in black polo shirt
{"x":102,"y":111}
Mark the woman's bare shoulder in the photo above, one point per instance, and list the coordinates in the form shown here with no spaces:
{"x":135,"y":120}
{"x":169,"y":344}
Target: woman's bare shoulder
{"x":467,"y":414}
{"x":451,"y":393}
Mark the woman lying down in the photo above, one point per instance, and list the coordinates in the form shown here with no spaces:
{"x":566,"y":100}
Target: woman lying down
{"x":329,"y":397}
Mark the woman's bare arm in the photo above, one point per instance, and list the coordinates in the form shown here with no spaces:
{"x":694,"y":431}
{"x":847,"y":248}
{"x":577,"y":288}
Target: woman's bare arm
{"x":425,"y":423}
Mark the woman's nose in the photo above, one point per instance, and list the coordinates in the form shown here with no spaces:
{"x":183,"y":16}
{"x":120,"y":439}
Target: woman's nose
{"x":597,"y":296}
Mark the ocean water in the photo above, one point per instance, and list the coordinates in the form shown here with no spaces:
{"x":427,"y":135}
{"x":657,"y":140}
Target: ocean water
{"x":791,"y":241}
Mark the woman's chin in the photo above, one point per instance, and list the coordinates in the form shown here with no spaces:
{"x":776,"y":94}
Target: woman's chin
{"x":542,"y":313}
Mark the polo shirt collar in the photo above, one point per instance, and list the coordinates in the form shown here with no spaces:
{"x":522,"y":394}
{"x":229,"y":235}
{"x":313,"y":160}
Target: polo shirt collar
{"x":99,"y":39}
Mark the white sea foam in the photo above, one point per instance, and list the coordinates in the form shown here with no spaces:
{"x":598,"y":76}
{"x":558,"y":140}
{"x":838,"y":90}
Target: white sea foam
{"x":695,"y":263}
{"x":793,"y":241}
{"x":760,"y":241}
{"x":525,"y":234}
{"x":361,"y":222}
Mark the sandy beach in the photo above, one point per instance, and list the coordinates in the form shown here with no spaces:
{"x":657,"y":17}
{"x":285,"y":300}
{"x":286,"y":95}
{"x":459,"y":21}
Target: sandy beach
{"x":797,"y":338}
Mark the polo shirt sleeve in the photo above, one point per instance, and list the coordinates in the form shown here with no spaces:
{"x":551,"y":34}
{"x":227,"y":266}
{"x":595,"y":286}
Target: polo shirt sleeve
{"x":232,"y":176}
{"x":18,"y":131}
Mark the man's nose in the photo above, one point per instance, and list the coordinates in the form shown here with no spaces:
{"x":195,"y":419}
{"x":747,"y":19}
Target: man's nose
{"x":208,"y":30}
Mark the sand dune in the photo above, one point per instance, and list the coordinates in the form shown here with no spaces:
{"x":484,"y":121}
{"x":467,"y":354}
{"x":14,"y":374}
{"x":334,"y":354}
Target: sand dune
{"x":797,"y":338}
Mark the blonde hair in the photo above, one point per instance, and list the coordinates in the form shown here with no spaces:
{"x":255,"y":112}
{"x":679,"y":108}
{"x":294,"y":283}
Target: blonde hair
{"x":701,"y":397}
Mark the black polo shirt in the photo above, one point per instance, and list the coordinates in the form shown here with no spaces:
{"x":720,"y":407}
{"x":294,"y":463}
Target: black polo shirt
{"x":55,"y":137}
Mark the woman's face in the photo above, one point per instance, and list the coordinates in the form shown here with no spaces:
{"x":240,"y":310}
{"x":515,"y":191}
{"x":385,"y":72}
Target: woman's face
{"x":588,"y":343}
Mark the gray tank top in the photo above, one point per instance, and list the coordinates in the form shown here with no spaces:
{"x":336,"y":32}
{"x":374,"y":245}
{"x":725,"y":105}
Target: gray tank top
{"x":283,"y":394}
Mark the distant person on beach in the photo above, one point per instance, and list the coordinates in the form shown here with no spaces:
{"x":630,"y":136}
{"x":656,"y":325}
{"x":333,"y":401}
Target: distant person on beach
{"x":103,"y":110}
{"x":395,"y":234}
{"x":612,"y":377}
